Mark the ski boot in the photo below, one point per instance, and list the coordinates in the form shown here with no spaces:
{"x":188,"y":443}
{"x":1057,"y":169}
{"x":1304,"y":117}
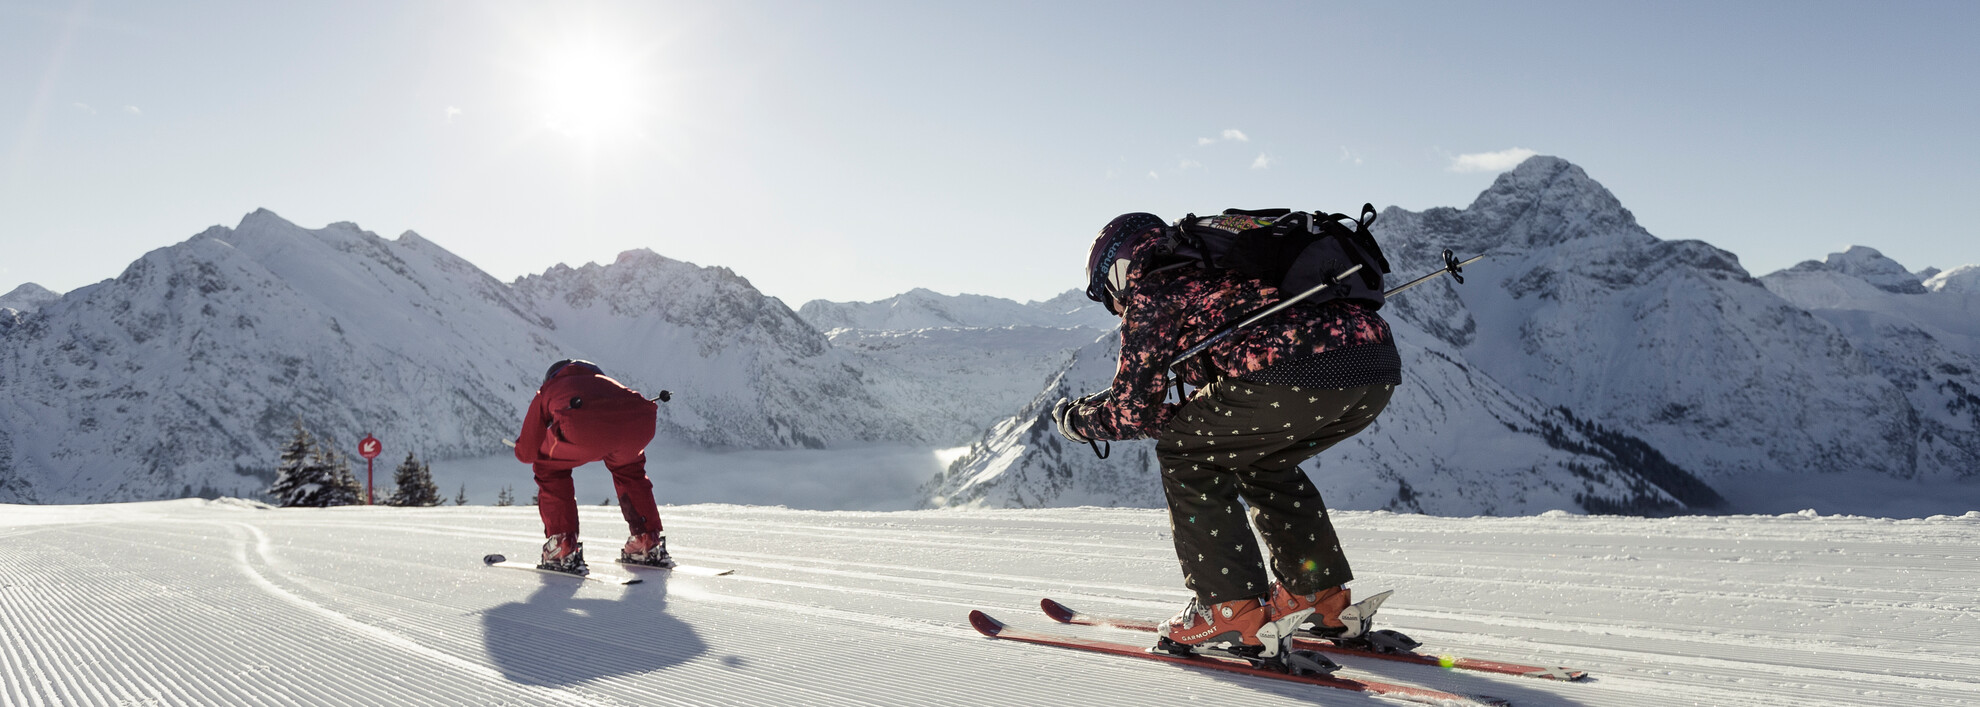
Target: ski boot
{"x":1240,"y":629}
{"x":649,"y":549}
{"x":1347,"y":625}
{"x":563,"y":553}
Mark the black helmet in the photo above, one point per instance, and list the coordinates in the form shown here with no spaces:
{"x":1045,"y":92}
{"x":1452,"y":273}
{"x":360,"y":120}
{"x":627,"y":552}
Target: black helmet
{"x":558,"y":366}
{"x":1115,"y":240}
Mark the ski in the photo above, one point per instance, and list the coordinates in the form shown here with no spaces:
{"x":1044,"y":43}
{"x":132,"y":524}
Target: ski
{"x":504,"y":562}
{"x":1066,"y":615}
{"x":997,"y":629}
{"x":681,"y":569}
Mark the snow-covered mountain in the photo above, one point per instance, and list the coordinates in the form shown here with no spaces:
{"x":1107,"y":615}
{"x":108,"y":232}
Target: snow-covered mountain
{"x":1925,"y":341}
{"x":180,"y":375}
{"x":27,"y":298}
{"x":1964,"y":279}
{"x":1453,"y":442}
{"x":923,"y":309}
{"x":957,"y":381}
{"x":1674,"y":366}
{"x":961,"y":362}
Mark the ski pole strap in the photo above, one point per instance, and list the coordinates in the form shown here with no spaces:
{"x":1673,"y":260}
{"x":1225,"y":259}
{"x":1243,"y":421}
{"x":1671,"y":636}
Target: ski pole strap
{"x":1451,"y":265}
{"x":1099,"y":451}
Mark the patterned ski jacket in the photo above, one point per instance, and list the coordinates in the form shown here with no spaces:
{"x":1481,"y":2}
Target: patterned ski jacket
{"x":1164,"y":314}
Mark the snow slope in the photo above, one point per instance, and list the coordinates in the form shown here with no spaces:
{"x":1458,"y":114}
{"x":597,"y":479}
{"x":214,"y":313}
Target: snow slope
{"x":224,"y":603}
{"x":1925,"y":340}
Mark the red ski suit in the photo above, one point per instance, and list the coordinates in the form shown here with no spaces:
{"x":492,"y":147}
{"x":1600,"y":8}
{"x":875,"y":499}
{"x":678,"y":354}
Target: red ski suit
{"x":579,"y":417}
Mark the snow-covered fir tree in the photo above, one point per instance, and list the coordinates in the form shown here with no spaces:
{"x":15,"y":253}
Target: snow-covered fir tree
{"x":341,"y":487}
{"x":294,"y":483}
{"x":412,"y":484}
{"x":461,"y":498}
{"x":505,"y":498}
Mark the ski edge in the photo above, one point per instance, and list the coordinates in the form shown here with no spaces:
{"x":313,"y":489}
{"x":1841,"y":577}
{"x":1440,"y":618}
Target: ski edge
{"x":1066,"y":615}
{"x":505,"y":563}
{"x":991,"y":627}
{"x":682,"y":569}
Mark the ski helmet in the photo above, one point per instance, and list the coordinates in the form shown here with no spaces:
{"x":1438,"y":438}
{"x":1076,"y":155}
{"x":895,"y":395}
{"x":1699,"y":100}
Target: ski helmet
{"x":558,"y":366}
{"x":1116,"y":239}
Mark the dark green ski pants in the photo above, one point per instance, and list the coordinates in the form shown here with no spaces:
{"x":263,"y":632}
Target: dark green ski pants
{"x":1244,"y":440}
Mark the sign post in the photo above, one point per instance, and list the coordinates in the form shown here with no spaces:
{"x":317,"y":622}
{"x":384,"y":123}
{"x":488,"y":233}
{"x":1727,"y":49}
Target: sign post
{"x":368,"y":448}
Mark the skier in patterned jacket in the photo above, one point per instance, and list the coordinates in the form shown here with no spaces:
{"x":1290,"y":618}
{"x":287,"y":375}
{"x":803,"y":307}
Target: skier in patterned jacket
{"x":1265,"y":398}
{"x":581,"y":416}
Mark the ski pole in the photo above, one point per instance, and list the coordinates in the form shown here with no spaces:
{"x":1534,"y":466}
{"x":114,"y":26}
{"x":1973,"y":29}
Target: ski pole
{"x":1451,"y":265}
{"x":1290,"y":301}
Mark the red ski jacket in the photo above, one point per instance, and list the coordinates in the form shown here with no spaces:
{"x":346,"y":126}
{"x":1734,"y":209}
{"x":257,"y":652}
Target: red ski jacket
{"x":579,"y":415}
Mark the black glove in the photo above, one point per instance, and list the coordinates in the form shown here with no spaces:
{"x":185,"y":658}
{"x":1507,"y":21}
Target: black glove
{"x":1062,"y":415}
{"x":666,"y":396}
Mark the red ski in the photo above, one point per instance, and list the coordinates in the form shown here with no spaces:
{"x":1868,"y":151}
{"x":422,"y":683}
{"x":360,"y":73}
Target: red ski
{"x":1065,"y":615}
{"x":996,"y":629}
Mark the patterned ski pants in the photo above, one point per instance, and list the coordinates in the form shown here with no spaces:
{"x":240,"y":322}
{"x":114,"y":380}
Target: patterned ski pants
{"x":1243,"y":440}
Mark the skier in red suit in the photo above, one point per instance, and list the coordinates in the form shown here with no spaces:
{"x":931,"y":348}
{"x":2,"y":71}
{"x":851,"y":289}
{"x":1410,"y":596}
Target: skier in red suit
{"x":580,"y":416}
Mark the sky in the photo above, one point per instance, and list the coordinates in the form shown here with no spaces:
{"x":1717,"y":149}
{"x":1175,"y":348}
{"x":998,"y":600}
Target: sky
{"x":855,"y":150}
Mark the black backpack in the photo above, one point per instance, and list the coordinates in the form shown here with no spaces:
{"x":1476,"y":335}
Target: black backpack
{"x":1293,"y":250}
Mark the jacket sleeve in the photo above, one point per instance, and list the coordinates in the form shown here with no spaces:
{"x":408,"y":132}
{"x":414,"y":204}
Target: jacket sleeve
{"x":1135,"y":406}
{"x":536,"y":423}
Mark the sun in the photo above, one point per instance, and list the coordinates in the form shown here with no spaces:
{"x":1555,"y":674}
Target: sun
{"x":593,"y":91}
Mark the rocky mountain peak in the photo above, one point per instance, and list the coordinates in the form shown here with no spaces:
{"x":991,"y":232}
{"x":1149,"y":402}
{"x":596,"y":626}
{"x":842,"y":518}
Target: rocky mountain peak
{"x":27,"y":298}
{"x":1547,"y":201}
{"x":1869,"y":265}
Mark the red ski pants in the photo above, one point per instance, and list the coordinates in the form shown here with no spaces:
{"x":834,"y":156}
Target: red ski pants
{"x":556,"y":500}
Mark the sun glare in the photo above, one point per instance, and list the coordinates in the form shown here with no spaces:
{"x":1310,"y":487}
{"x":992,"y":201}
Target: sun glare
{"x":593,"y":92}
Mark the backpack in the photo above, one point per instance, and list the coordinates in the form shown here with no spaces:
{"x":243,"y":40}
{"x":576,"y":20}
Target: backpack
{"x":1293,"y":250}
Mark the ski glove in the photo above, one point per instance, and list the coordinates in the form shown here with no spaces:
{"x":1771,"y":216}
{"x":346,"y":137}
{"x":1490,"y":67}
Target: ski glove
{"x":1062,"y":414}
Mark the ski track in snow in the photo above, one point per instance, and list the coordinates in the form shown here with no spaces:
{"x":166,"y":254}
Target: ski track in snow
{"x":215,"y":603}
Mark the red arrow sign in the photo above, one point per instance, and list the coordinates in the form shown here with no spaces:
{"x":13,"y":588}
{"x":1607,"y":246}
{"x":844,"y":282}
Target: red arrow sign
{"x":368,"y":447}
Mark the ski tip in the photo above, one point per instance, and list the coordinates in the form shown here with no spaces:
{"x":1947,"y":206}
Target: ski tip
{"x":1059,"y":612}
{"x":984,"y":624}
{"x":1557,"y":673}
{"x":492,"y":559}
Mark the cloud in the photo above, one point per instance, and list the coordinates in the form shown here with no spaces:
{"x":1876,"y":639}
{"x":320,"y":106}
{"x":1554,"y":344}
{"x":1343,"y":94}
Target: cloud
{"x":451,"y":112}
{"x":133,"y":110}
{"x":1349,"y":157}
{"x":84,"y":107}
{"x":1264,"y":161}
{"x":1491,"y":161}
{"x":1232,"y":134}
{"x":1187,"y":165}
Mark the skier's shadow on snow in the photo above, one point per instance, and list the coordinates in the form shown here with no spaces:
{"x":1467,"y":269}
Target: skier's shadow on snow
{"x":557,"y":638}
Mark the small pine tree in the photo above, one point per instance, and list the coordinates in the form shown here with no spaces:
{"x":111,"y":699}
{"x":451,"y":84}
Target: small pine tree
{"x":292,"y":473}
{"x":505,"y":498}
{"x":343,"y":488}
{"x":412,"y":485}
{"x":461,"y":500}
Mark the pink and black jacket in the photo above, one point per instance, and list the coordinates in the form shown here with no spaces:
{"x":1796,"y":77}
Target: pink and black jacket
{"x":1165,"y":313}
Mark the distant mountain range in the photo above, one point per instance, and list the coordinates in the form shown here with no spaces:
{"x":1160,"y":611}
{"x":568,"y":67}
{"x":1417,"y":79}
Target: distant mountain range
{"x":1584,"y":365}
{"x":181,"y":375}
